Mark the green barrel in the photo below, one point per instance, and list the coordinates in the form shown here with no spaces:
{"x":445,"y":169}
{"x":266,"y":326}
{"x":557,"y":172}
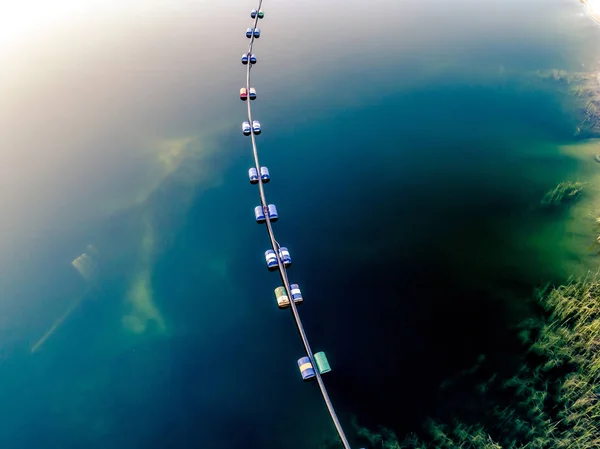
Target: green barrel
{"x":261,"y":14}
{"x":322,"y":363}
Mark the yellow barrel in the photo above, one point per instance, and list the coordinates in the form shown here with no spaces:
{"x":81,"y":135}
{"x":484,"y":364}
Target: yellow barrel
{"x":283,"y":300}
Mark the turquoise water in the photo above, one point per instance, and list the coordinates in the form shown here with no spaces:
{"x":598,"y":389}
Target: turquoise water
{"x":407,"y":168}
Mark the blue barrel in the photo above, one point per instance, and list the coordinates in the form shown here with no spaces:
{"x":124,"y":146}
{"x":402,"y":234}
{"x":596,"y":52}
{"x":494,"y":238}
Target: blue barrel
{"x":284,"y":254}
{"x":264,"y":174}
{"x":244,"y":59}
{"x":296,"y":293}
{"x":249,"y":33}
{"x":273,"y":213}
{"x":253,"y":175}
{"x":306,"y":368}
{"x":256,"y":128}
{"x":259,"y":214}
{"x":252,"y":59}
{"x":246,"y":130}
{"x":271,"y":259}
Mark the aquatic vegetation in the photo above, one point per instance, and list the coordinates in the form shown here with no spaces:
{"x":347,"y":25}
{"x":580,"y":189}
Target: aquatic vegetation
{"x":584,"y":89}
{"x":564,"y":192}
{"x":440,"y":437}
{"x":592,"y":114}
{"x":553,"y":402}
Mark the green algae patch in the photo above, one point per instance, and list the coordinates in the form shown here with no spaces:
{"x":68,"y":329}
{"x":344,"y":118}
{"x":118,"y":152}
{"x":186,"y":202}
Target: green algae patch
{"x":563,"y":193}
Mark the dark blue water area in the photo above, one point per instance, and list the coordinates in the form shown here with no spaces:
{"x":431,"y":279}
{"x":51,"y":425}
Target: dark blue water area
{"x":405,"y":250}
{"x":413,"y":267}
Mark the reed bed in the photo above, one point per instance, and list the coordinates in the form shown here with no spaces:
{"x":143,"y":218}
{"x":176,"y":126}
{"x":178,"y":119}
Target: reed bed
{"x":553,"y":400}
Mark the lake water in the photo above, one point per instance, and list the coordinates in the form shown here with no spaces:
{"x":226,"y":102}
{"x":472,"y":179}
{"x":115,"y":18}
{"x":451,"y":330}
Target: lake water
{"x":409,"y":146}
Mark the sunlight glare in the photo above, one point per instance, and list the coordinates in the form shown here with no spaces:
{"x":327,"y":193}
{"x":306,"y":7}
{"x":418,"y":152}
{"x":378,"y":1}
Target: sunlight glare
{"x":594,"y":7}
{"x":21,"y":19}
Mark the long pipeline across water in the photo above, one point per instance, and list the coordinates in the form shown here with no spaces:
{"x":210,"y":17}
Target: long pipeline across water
{"x":275,"y":246}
